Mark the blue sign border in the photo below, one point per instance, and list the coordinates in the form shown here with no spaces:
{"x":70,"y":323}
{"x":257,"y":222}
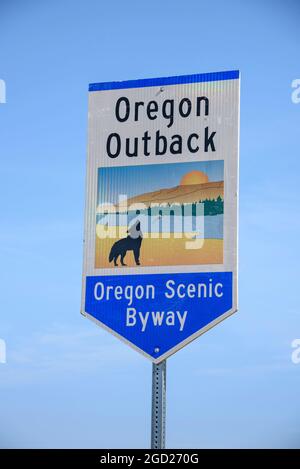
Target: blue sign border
{"x":164,"y":81}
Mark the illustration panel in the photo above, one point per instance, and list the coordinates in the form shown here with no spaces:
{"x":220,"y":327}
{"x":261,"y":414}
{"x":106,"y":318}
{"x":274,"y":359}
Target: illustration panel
{"x":160,"y":215}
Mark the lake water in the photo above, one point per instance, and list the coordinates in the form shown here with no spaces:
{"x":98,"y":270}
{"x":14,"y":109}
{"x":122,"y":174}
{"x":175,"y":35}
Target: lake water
{"x":209,"y":226}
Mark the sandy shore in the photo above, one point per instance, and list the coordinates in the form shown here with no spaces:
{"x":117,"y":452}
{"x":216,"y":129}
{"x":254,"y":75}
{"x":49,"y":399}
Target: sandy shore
{"x":161,"y":252}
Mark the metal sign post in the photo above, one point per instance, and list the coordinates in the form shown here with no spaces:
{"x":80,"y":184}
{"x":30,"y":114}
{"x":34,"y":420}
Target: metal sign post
{"x":158,"y":425}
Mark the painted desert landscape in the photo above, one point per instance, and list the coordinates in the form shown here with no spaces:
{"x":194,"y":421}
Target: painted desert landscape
{"x":179,"y":225}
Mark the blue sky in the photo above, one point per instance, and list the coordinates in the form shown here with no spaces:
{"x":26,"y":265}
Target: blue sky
{"x":67,"y":383}
{"x":135,"y":180}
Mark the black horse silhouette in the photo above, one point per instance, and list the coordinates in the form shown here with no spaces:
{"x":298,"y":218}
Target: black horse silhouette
{"x":133,"y":243}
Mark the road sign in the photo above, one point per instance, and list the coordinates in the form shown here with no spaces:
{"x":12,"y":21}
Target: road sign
{"x":160,"y":242}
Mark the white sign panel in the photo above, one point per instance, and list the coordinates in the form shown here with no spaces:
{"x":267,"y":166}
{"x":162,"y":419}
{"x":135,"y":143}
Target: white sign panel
{"x":160,"y":244}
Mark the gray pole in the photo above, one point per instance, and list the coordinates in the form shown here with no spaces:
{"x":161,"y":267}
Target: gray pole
{"x":158,"y":426}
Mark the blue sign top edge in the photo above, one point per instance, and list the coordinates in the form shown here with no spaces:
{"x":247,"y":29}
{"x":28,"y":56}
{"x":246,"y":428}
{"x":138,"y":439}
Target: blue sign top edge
{"x":164,"y":81}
